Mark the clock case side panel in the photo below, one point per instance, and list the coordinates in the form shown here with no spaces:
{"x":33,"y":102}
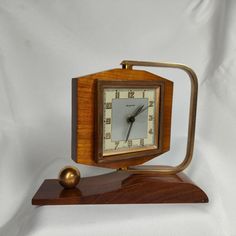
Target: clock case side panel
{"x":74,"y":109}
{"x":83,"y":114}
{"x":167,"y":114}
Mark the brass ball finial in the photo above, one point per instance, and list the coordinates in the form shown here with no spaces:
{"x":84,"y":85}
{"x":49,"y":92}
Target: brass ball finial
{"x":69,"y":177}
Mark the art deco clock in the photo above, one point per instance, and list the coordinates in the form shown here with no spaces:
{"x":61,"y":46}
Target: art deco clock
{"x":121,"y":118}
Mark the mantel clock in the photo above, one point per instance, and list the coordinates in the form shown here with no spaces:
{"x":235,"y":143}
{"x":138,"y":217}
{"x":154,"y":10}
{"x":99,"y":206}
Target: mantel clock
{"x":121,"y":118}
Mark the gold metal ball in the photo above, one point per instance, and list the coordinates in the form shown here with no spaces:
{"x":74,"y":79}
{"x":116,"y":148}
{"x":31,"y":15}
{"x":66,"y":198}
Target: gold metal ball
{"x":69,"y":177}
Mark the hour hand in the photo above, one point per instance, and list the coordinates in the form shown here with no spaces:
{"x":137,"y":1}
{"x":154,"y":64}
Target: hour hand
{"x":138,"y":111}
{"x":142,"y":110}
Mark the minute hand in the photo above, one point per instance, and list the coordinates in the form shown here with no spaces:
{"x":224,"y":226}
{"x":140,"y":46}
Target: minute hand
{"x":130,"y":127}
{"x":131,"y":120}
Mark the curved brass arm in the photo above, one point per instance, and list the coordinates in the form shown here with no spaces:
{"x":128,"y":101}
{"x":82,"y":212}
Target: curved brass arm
{"x":191,"y":123}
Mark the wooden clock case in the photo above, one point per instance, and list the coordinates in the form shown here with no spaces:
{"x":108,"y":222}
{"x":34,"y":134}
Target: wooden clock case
{"x":86,"y":131}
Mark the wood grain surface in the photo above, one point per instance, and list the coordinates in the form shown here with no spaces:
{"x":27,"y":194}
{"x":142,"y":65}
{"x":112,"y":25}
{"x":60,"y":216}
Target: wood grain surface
{"x":122,"y":188}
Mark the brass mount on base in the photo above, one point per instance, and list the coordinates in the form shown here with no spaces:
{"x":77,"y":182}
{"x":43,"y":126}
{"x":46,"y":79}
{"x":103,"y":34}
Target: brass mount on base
{"x":192,"y":117}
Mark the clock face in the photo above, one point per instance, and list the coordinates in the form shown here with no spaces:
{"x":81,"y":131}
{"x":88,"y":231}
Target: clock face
{"x":130,"y":119}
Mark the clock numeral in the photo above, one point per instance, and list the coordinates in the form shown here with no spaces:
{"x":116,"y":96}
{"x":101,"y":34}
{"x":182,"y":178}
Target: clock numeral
{"x":150,"y":118}
{"x":117,"y":94}
{"x":108,"y":121}
{"x":142,"y":142}
{"x":131,"y":94}
{"x":144,"y":93}
{"x":150,"y":131}
{"x":107,"y":135}
{"x":151,"y":103}
{"x":116,"y":144}
{"x":108,"y":105}
{"x":129,"y":143}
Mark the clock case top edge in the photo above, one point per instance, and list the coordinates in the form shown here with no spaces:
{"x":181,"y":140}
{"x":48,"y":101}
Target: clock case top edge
{"x":84,"y":109}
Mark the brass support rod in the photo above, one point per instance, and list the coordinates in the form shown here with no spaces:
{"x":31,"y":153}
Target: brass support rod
{"x":191,"y":122}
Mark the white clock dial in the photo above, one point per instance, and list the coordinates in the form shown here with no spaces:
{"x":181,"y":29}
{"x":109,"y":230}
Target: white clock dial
{"x":129,"y":119}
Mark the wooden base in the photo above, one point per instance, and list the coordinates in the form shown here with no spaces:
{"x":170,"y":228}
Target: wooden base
{"x":122,"y":188}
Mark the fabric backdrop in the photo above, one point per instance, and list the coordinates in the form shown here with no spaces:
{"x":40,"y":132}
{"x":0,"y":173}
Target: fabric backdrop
{"x":43,"y":44}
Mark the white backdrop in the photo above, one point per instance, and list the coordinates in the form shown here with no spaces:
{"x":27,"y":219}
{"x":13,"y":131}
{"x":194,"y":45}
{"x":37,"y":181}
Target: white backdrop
{"x":43,"y":44}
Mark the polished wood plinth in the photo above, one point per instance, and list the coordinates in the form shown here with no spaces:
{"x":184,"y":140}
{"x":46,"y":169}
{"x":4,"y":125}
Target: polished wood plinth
{"x":122,"y":188}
